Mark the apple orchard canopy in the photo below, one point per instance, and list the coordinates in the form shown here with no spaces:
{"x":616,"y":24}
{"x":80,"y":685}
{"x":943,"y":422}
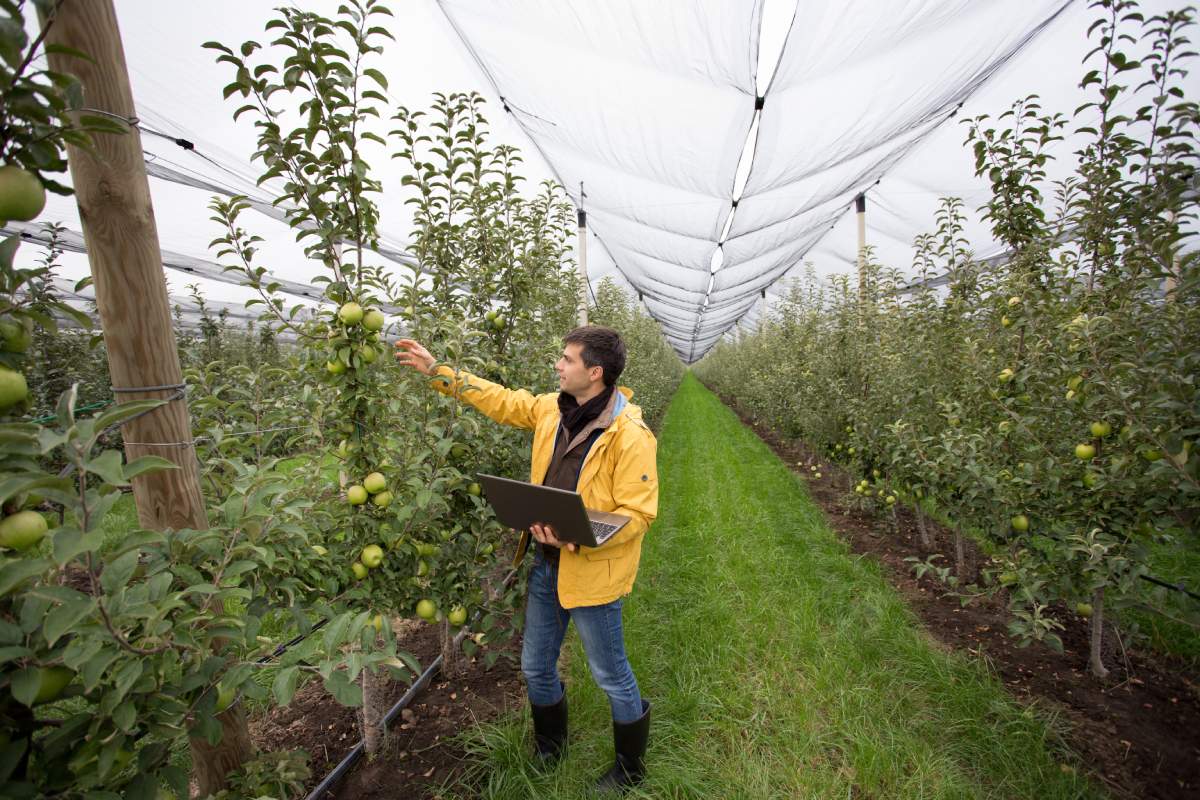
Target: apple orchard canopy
{"x":720,"y":144}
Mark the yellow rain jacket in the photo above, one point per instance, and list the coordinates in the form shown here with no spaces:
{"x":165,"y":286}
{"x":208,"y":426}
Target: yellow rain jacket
{"x":619,"y":475}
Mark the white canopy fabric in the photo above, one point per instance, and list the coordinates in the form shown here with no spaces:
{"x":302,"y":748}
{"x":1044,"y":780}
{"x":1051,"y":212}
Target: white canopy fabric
{"x":719,"y":144}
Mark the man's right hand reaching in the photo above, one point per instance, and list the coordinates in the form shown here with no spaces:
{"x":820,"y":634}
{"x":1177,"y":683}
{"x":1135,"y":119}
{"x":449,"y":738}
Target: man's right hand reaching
{"x":412,"y":354}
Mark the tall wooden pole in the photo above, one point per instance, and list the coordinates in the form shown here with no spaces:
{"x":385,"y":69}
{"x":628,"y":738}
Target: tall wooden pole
{"x":131,"y":295}
{"x":860,"y":207}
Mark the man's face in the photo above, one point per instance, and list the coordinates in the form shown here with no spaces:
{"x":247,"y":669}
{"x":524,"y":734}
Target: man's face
{"x":574,"y":377}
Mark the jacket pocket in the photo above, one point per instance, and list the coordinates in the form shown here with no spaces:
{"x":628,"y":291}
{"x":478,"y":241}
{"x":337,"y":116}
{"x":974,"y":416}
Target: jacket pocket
{"x":606,"y":553}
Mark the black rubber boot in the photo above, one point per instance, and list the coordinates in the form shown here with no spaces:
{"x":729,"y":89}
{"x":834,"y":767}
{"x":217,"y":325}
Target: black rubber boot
{"x":629,"y":741}
{"x":550,"y":731}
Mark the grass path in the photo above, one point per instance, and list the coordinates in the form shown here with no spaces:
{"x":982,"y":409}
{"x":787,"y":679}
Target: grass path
{"x":780,"y":665}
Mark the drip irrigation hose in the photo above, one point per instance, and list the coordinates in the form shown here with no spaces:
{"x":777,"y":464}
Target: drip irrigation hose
{"x":351,"y":758}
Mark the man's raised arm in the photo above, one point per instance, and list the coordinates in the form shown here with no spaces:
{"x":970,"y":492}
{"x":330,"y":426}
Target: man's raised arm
{"x":506,"y":406}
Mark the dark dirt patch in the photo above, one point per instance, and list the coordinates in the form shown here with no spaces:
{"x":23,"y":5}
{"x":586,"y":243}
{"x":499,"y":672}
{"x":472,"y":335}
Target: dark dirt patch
{"x":1137,"y":732}
{"x":419,"y":755}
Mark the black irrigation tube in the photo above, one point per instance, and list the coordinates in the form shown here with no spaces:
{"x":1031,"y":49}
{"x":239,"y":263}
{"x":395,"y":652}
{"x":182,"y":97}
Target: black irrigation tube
{"x":1179,"y":587}
{"x":351,"y":758}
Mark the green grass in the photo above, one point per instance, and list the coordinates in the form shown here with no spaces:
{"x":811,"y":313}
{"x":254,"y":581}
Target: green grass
{"x":780,"y":665}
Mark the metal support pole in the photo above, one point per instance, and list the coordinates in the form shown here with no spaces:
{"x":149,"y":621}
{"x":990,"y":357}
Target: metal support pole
{"x":860,"y":206}
{"x":582,"y":262}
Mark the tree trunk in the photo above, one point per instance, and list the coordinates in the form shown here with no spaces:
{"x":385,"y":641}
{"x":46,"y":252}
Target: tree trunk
{"x":451,"y":663}
{"x":960,"y":558}
{"x":923,"y":529}
{"x":113,"y":195}
{"x":374,"y":688}
{"x":1096,"y":631}
{"x":211,"y":763}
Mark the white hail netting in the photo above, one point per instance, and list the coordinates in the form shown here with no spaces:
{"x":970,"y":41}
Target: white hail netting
{"x":651,"y":106}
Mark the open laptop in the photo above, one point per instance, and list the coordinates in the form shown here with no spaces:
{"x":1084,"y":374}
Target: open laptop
{"x":519,"y":505}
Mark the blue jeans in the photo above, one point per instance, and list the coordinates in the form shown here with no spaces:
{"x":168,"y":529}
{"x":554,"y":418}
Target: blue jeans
{"x":603,"y":641}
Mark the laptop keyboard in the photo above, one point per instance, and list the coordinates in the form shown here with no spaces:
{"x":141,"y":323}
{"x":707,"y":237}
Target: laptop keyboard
{"x":602,"y":530}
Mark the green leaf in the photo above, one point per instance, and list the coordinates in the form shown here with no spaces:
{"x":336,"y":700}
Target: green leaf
{"x":95,"y":668}
{"x":65,"y":617}
{"x":24,"y":684}
{"x":12,"y":653}
{"x":11,"y":487}
{"x":118,"y":572}
{"x":124,"y":716}
{"x":125,"y":678}
{"x":66,"y":407}
{"x":145,"y":464}
{"x":108,"y":466}
{"x":284,"y":686}
{"x":12,"y":574}
{"x":343,"y":689}
{"x":377,"y":76}
{"x":119,"y":414}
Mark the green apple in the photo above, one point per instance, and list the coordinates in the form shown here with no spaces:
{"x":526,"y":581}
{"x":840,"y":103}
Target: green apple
{"x":890,"y":500}
{"x":1020,"y":523}
{"x":22,"y":530}
{"x":335,"y":367}
{"x":382,"y":500}
{"x":1085,"y":452}
{"x":426,"y":609}
{"x":375,"y":483}
{"x":372,"y":556}
{"x":350,"y":313}
{"x":475,"y":489}
{"x":1006,"y":321}
{"x":356,"y":495}
{"x":1013,"y":302}
{"x":22,"y":196}
{"x":373,"y":320}
{"x":457,"y":616}
{"x":15,"y":335}
{"x":1005,"y":375}
{"x":1083,"y":609}
{"x":13,"y":388}
{"x":1101,"y":429}
{"x":359,"y":570}
{"x":367,"y":353}
{"x":498,"y":323}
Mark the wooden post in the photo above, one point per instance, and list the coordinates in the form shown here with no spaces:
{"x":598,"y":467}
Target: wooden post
{"x":860,"y":206}
{"x":131,"y":295}
{"x":583,"y":273}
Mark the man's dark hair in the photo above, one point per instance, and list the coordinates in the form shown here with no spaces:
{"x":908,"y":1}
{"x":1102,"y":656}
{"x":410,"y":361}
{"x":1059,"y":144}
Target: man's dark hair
{"x":602,"y":347}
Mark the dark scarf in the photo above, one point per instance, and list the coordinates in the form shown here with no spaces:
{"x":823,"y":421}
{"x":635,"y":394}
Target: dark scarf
{"x":575,"y":416}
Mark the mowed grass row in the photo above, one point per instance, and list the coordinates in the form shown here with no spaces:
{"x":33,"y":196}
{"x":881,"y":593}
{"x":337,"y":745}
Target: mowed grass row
{"x":779,"y":664}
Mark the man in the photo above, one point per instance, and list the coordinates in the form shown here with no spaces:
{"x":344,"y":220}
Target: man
{"x":587,"y":438}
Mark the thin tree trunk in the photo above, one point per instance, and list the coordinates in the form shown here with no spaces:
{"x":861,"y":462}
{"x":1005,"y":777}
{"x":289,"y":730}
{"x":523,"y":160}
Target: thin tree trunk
{"x":1096,"y":624}
{"x":960,"y":559}
{"x":451,"y":663}
{"x":923,"y":529}
{"x":374,"y":688}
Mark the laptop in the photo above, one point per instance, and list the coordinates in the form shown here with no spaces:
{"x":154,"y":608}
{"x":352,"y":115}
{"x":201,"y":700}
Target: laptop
{"x":519,"y":505}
